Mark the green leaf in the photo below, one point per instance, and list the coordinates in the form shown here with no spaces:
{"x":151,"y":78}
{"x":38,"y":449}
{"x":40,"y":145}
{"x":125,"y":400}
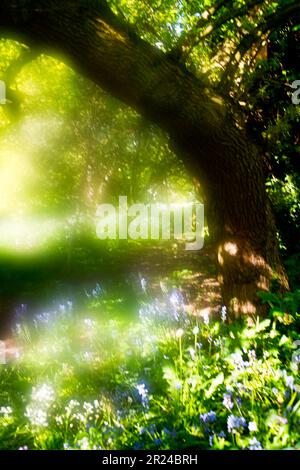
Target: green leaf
{"x":214,"y":385}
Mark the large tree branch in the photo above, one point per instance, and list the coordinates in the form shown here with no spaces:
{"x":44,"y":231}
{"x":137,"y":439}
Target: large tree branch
{"x":105,"y":50}
{"x":109,"y":53}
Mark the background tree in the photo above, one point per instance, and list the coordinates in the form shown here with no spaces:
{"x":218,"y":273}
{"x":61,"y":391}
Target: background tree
{"x":182,"y":66}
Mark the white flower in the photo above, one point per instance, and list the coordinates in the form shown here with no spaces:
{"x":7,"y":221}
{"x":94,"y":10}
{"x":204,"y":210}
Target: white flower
{"x":223,"y":313}
{"x":88,"y":407}
{"x":83,"y":444}
{"x":252,"y":426}
{"x":142,"y":390}
{"x":192,"y":353}
{"x":89,"y":323}
{"x":80,"y":417}
{"x":43,"y":394}
{"x":88,"y":356}
{"x":179,"y":333}
{"x":70,"y":407}
{"x":144,"y":284}
{"x":206,"y":318}
{"x":36,"y":416}
{"x":59,"y":420}
{"x":6,"y":411}
{"x":196,"y":330}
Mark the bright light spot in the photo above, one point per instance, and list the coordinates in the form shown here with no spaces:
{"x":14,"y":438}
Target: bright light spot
{"x":38,"y":130}
{"x":26,"y":235}
{"x":16,"y":174}
{"x":231,"y":248}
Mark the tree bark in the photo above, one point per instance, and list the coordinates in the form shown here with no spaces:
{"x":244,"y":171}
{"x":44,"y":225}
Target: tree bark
{"x":210,"y":140}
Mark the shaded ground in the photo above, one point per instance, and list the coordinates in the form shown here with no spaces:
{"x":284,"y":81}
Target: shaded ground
{"x":193,"y":272}
{"x":39,"y":282}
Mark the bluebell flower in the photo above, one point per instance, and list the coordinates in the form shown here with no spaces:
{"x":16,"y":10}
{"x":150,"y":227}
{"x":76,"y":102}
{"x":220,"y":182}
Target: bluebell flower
{"x":282,"y":420}
{"x":97,"y":291}
{"x":143,"y":393}
{"x":227,"y":401}
{"x":176,"y":298}
{"x":255,"y":444}
{"x":42,"y":318}
{"x":296,"y":359}
{"x":178,"y":385}
{"x":239,"y":401}
{"x":169,"y":433}
{"x":152,"y":429}
{"x":239,"y":362}
{"x":138,"y":446}
{"x":208,"y":418}
{"x":20,"y":312}
{"x":235,"y":423}
{"x":289,"y":381}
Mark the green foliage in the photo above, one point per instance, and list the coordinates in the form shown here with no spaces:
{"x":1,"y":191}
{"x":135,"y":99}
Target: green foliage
{"x":285,"y":307}
{"x":274,"y":121}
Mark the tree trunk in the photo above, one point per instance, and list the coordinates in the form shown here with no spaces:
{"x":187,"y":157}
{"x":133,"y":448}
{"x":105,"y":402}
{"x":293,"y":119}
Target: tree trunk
{"x":245,"y":235}
{"x":240,"y":219}
{"x":211,"y":142}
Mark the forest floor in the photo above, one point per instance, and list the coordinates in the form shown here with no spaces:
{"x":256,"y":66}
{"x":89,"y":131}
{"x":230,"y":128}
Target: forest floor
{"x":131,"y":274}
{"x":193,"y":273}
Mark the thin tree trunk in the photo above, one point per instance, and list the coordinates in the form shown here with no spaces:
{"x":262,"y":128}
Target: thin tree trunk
{"x":209,"y":139}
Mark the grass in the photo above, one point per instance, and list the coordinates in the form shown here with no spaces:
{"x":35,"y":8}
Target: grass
{"x":89,"y":379}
